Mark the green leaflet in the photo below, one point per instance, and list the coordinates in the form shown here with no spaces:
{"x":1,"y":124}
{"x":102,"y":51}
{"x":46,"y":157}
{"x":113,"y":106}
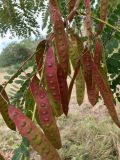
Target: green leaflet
{"x":4,"y":109}
{"x":80,"y":87}
{"x":29,"y":103}
{"x":22,"y":153}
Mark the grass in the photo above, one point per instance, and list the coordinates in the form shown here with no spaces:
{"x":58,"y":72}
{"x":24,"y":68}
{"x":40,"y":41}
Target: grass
{"x":89,"y":138}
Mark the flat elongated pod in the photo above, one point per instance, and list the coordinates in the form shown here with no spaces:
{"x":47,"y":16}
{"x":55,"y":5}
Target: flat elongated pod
{"x":39,"y":55}
{"x":71,"y":4}
{"x":103,"y":15}
{"x":87,"y":70}
{"x":104,"y":72}
{"x":73,"y":51}
{"x":106,"y":94}
{"x":63,"y":88}
{"x":4,"y":109}
{"x":88,"y":22}
{"x":51,"y":78}
{"x":75,"y":48}
{"x":97,"y":59}
{"x":80,"y":87}
{"x":60,"y":37}
{"x":46,"y":118}
{"x":87,"y":67}
{"x":76,"y":71}
{"x":37,"y":139}
{"x":98,"y":52}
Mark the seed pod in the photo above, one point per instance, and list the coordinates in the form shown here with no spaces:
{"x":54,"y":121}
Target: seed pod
{"x":63,"y":88}
{"x":74,"y":53}
{"x":4,"y":109}
{"x":97,"y":58}
{"x":88,"y":22}
{"x":75,"y":48}
{"x":35,"y":136}
{"x":39,"y":55}
{"x":103,"y":15}
{"x":51,"y":78}
{"x":71,"y":4}
{"x":87,"y":68}
{"x":46,"y":118}
{"x":54,"y":104}
{"x":106,"y":94}
{"x":77,"y":68}
{"x":80,"y":87}
{"x":103,"y":70}
{"x":60,"y":37}
{"x":98,"y":52}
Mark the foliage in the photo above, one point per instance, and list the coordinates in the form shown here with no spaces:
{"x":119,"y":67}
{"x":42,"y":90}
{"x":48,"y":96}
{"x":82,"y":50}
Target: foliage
{"x":77,"y":27}
{"x":20,"y":17}
{"x":16,"y":53}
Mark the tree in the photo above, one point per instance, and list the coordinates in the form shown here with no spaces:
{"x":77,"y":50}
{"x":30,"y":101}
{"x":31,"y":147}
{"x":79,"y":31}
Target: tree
{"x":16,"y":53}
{"x":86,"y":34}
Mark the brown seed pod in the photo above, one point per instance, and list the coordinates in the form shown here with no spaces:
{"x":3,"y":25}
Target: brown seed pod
{"x":60,"y":37}
{"x":98,"y":52}
{"x":88,"y":22}
{"x":4,"y":109}
{"x":71,"y":4}
{"x":106,"y":94}
{"x":37,"y":139}
{"x":51,"y":78}
{"x":46,"y":118}
{"x":97,"y":59}
{"x":87,"y":68}
{"x":63,"y":88}
{"x":103,"y":15}
{"x":39,"y":55}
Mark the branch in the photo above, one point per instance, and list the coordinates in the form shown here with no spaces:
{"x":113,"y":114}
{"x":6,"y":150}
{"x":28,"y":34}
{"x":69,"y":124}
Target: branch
{"x":100,"y":20}
{"x":108,"y":24}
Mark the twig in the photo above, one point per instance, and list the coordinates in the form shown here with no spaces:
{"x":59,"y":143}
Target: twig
{"x":108,"y":24}
{"x":34,"y":111}
{"x":100,"y":20}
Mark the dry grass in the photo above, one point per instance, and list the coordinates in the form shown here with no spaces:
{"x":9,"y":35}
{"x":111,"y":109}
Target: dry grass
{"x":87,"y":138}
